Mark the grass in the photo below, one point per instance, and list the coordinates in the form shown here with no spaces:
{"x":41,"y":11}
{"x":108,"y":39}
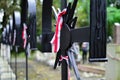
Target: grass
{"x":117,"y":48}
{"x":22,"y":55}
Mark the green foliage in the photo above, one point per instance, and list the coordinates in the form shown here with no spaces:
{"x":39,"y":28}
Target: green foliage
{"x":109,"y":2}
{"x":56,"y":4}
{"x":8,"y":7}
{"x":113,"y":15}
{"x":39,"y":17}
{"x":82,"y":12}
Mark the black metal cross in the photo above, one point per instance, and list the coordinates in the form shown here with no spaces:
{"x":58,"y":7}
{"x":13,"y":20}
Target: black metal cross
{"x":95,"y":34}
{"x":28,"y":14}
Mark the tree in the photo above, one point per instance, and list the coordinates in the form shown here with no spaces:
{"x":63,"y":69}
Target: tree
{"x":82,"y":12}
{"x":113,"y":15}
{"x":8,"y":7}
{"x":39,"y":17}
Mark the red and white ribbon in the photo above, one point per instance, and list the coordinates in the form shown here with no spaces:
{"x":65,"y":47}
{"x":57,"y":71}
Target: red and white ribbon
{"x":63,"y":57}
{"x":56,"y":38}
{"x":24,"y":35}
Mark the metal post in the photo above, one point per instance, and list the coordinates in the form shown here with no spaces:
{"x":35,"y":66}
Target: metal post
{"x":10,"y":61}
{"x":64,"y":68}
{"x":16,"y":48}
{"x":97,"y":31}
{"x":63,"y":4}
{"x":26,"y":55}
{"x":46,"y":24}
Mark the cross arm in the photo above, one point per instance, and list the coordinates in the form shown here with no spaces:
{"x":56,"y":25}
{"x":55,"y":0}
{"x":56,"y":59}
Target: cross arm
{"x":80,"y":35}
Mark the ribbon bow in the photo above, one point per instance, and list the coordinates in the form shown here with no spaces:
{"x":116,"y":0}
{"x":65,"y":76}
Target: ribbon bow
{"x":56,"y":38}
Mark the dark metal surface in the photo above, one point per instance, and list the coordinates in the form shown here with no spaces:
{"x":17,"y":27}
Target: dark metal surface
{"x":17,"y":28}
{"x":97,"y":30}
{"x":32,"y":29}
{"x":32,"y":23}
{"x":7,"y":35}
{"x":80,"y":35}
{"x":46,"y":25}
{"x":11,"y":31}
{"x":24,"y":11}
{"x":3,"y":36}
{"x":65,"y":37}
{"x":63,"y":4}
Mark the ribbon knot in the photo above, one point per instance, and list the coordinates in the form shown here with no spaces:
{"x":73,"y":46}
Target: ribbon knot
{"x":63,"y":57}
{"x":24,"y":35}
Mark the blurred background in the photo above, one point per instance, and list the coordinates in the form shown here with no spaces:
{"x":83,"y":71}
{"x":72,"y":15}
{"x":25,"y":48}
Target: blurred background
{"x":41,"y":64}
